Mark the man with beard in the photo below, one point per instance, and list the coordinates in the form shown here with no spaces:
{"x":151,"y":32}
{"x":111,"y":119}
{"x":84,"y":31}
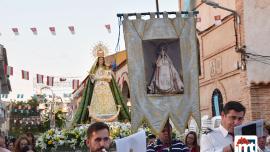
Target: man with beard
{"x":98,"y":139}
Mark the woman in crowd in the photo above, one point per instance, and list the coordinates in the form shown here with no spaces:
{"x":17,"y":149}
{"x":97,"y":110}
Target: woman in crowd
{"x":191,"y":142}
{"x":20,"y":143}
{"x":31,"y":138}
{"x":10,"y":145}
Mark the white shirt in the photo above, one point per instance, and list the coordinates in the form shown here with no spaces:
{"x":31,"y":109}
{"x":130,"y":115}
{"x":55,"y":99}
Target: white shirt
{"x":216,"y":140}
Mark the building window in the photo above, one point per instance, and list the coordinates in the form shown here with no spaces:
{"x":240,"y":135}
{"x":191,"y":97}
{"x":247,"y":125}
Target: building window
{"x":217,"y":103}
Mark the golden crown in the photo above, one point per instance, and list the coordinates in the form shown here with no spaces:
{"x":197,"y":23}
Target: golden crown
{"x":100,"y":50}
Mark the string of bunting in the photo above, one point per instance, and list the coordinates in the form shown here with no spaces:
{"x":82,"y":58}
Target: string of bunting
{"x":217,"y":20}
{"x":34,"y":30}
{"x":9,"y":71}
{"x":52,"y":30}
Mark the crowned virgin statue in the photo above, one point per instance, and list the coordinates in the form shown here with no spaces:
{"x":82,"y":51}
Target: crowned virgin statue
{"x":166,"y":79}
{"x":101,"y":96}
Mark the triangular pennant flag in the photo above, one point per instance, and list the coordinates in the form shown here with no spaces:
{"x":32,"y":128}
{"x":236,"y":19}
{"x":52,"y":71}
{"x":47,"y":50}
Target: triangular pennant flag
{"x":75,"y":84}
{"x":108,"y":27}
{"x":52,"y":29}
{"x":15,"y":31}
{"x":217,"y":20}
{"x":50,"y":81}
{"x":25,"y":75}
{"x":34,"y":30}
{"x":72,"y":29}
{"x":39,"y":78}
{"x":8,"y":70}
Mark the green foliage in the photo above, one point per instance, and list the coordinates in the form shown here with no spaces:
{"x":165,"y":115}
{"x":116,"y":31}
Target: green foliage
{"x":25,"y":117}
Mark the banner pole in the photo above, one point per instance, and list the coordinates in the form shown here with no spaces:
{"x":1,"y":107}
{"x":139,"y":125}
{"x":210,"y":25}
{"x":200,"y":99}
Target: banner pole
{"x":157,"y":8}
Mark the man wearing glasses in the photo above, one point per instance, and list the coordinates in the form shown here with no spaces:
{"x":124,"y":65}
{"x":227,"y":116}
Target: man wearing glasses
{"x":221,"y":139}
{"x":98,"y":137}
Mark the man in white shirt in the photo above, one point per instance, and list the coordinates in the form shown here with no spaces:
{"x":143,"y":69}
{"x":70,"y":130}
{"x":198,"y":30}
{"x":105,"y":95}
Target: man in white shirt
{"x":221,"y":139}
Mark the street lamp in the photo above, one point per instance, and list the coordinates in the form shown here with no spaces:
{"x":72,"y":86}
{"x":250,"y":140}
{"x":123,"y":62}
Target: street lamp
{"x":50,"y":109}
{"x":53,"y":107}
{"x":236,"y":22}
{"x":216,"y":5}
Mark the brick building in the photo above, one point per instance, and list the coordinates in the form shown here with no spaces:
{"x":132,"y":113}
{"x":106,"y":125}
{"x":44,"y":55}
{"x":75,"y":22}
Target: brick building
{"x":234,"y":56}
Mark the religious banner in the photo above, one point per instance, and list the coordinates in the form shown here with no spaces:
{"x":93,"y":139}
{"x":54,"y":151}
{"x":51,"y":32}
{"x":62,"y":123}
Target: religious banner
{"x":163,"y":70}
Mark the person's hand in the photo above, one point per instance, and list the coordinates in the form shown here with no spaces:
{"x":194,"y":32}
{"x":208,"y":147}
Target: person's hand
{"x":92,"y":77}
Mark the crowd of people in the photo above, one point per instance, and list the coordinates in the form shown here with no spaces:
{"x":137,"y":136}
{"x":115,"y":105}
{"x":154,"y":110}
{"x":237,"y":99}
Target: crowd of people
{"x":24,"y":143}
{"x":219,"y":139}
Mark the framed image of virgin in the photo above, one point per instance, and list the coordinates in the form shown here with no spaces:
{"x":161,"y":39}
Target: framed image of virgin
{"x":163,"y":68}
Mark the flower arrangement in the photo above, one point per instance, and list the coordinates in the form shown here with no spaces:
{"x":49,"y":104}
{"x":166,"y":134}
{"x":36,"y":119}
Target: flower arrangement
{"x":76,"y":137}
{"x":51,"y":139}
{"x":119,"y":130}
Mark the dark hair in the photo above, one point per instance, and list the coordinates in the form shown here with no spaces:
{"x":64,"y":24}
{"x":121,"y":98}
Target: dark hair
{"x":195,"y":142}
{"x":151,"y":136}
{"x":29,"y":134}
{"x":103,"y":61}
{"x":96,"y":127}
{"x":233,"y":105}
{"x":17,"y":147}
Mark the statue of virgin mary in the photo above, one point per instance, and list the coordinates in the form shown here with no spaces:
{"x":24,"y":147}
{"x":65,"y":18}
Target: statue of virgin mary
{"x":101,"y":95}
{"x":166,"y":79}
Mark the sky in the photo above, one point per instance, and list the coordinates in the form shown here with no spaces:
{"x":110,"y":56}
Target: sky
{"x":63,"y":54}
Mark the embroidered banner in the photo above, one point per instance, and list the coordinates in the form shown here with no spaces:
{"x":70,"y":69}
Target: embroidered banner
{"x":163,"y":70}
